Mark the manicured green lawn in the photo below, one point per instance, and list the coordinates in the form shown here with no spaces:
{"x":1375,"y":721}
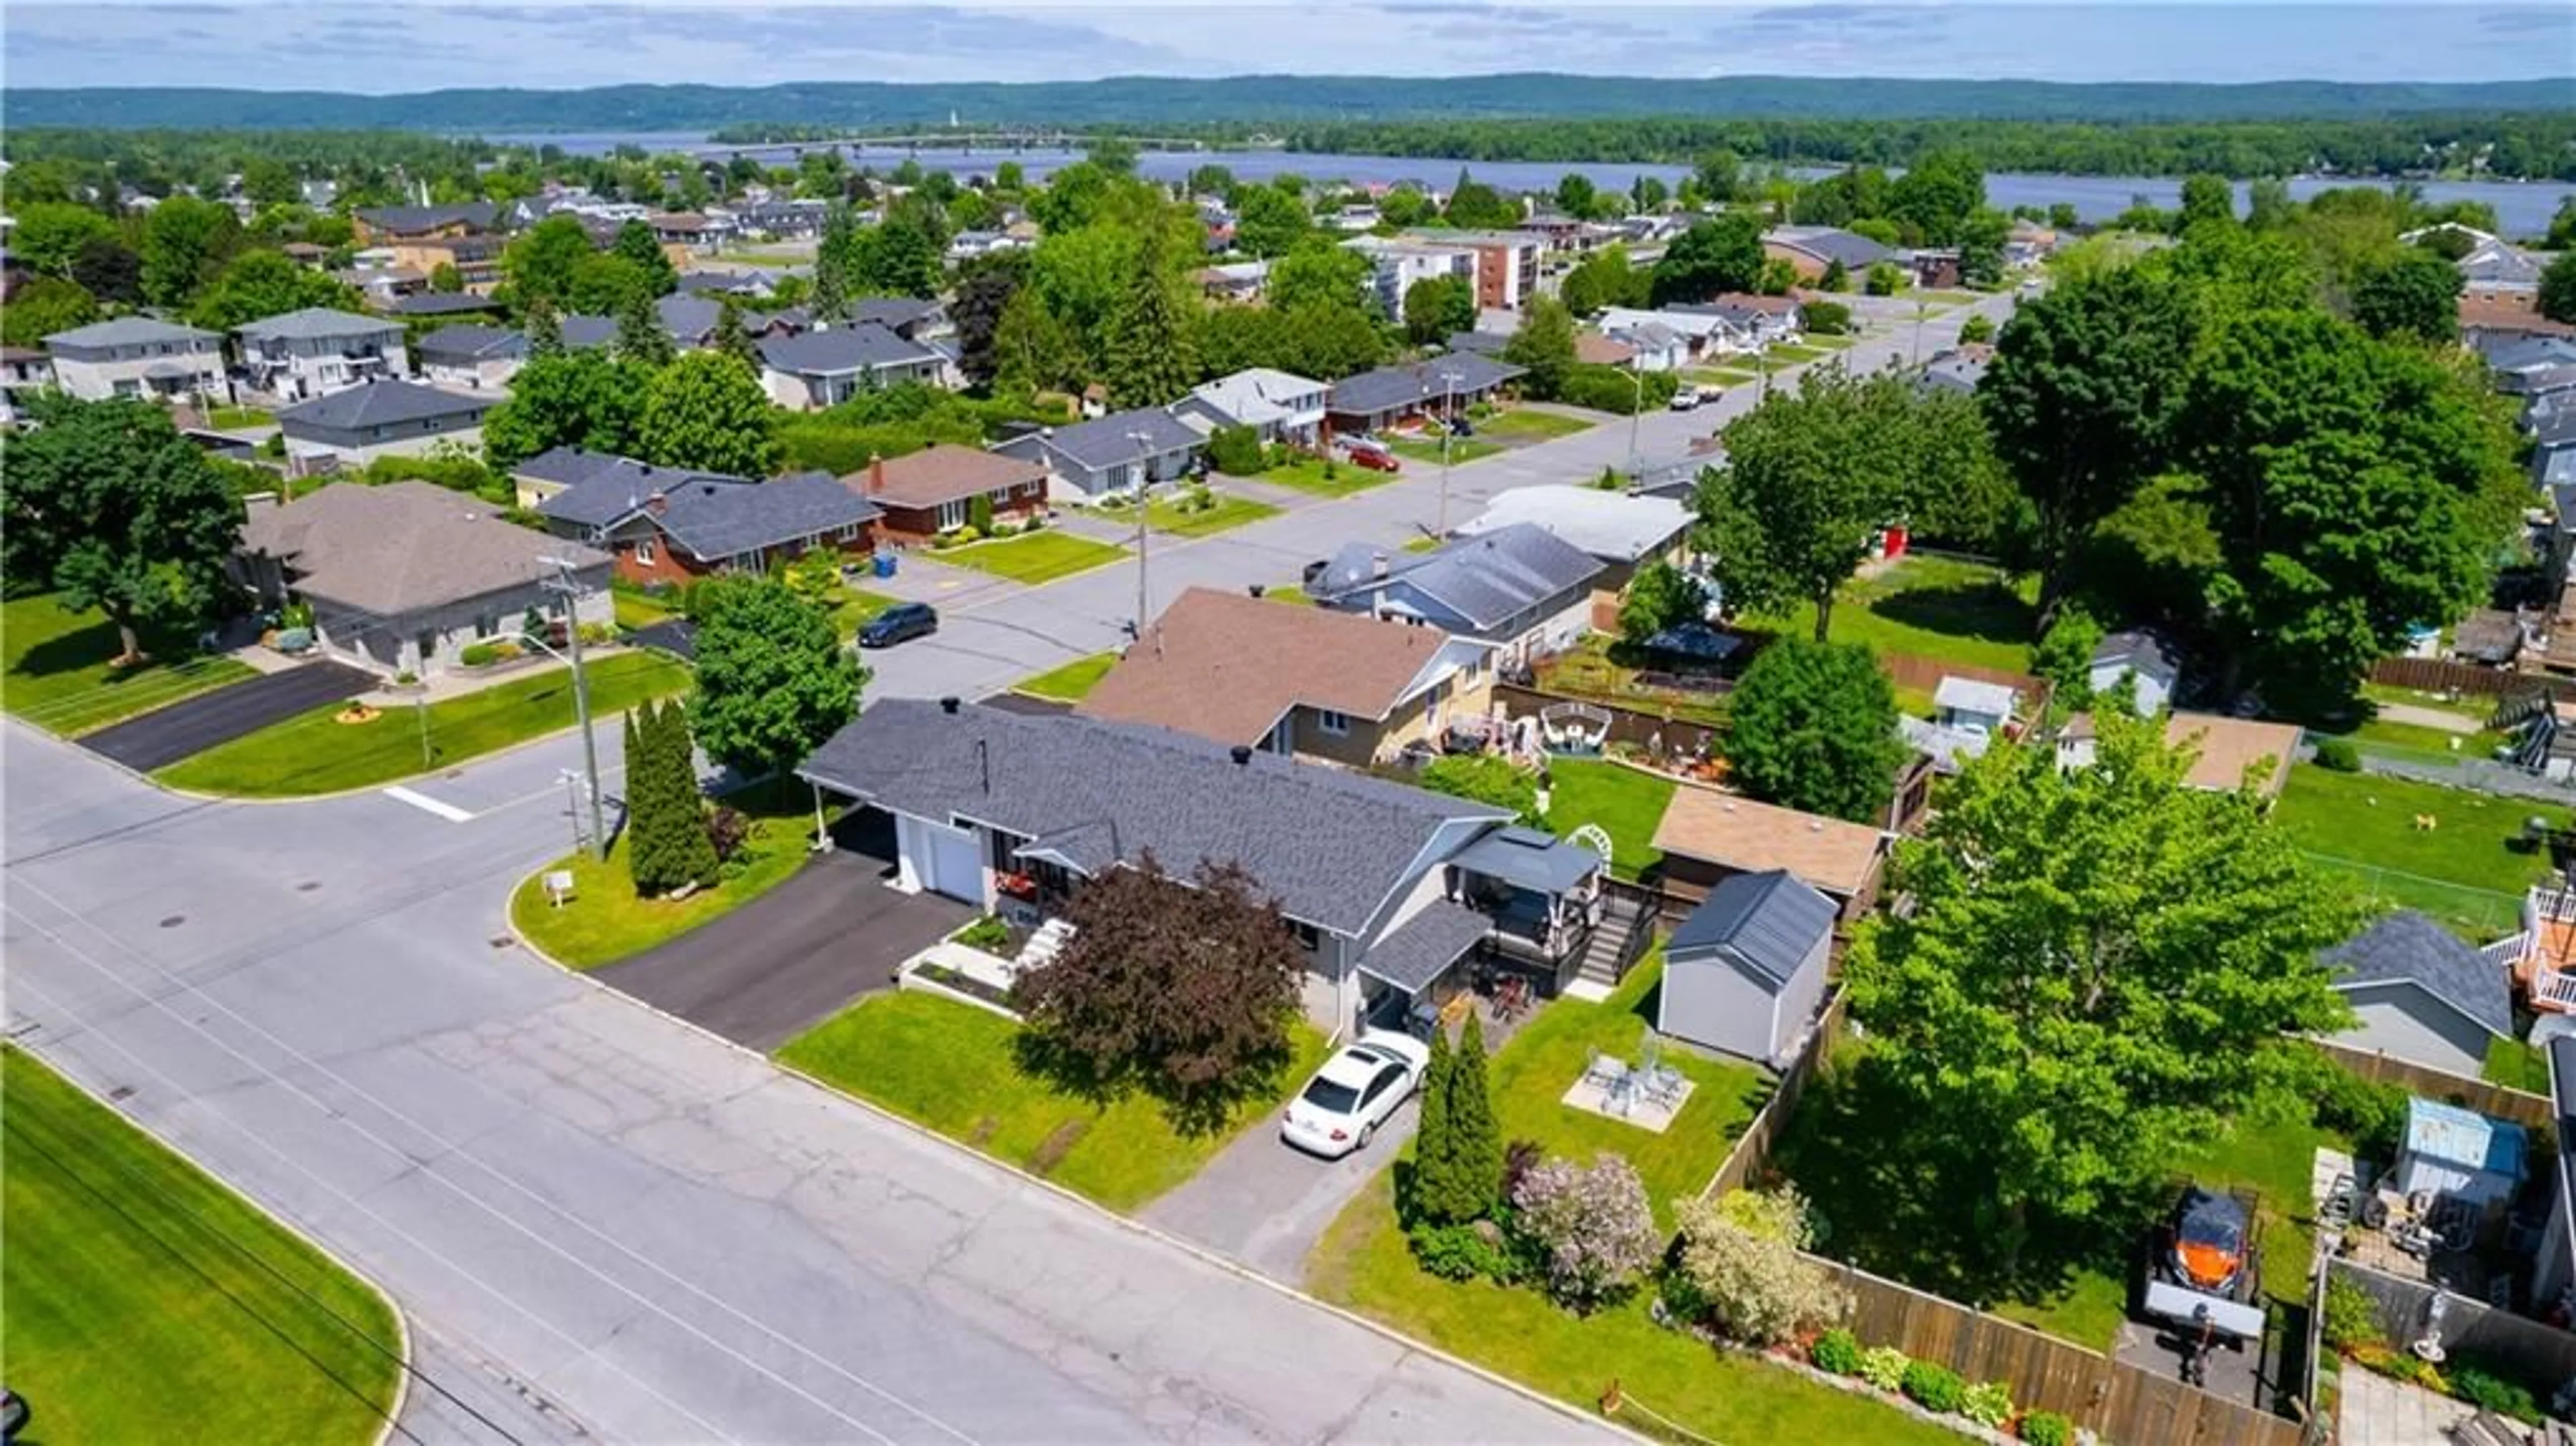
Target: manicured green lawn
{"x":1933,"y":607}
{"x":1721,"y":376}
{"x":1815,"y":342}
{"x":1941,"y":298}
{"x":316,"y":753}
{"x":229,"y":419}
{"x":1364,"y":1264}
{"x":1166,"y":515}
{"x":1461,"y":449}
{"x":2463,"y":870}
{"x":852,"y":608}
{"x":1424,"y":543}
{"x":2373,"y":732}
{"x":1789,"y":354}
{"x":1293,"y":596}
{"x":2517,"y":1066}
{"x":1538,"y":1065}
{"x":1034,"y":558}
{"x":146,"y":1302}
{"x":1534,"y":425}
{"x":604,"y":921}
{"x":1307,"y":475}
{"x":954,"y":1068}
{"x":637,"y":611}
{"x":58,"y":675}
{"x":1070,"y":683}
{"x":1627,"y":803}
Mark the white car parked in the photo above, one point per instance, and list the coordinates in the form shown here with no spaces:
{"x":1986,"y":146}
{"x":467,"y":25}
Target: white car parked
{"x":1342,"y":1107}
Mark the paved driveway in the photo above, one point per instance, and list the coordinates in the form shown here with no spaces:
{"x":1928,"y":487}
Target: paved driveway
{"x":764,"y":973}
{"x":1264,"y":1204}
{"x":193,"y":725}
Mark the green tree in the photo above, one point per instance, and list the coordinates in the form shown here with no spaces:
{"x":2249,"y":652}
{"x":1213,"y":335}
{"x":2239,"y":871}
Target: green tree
{"x":544,"y":330}
{"x":606,"y":285}
{"x":2065,"y":656}
{"x":1543,"y":345}
{"x":902,"y":257}
{"x":986,"y":287}
{"x":262,"y":284}
{"x":1033,"y":351}
{"x":1434,"y":1156}
{"x":50,"y":233}
{"x":106,"y":503}
{"x":1149,"y":356}
{"x":2412,"y":293}
{"x":1711,"y":258}
{"x":1649,"y":193}
{"x":1720,"y":175}
{"x":445,"y":279}
{"x":1977,"y":330}
{"x":641,"y":339}
{"x":1883,"y":278}
{"x":44,"y":306}
{"x":540,"y":263}
{"x":837,"y":262}
{"x":2104,"y":971}
{"x":1778,"y":276}
{"x":1604,"y":278}
{"x":1659,"y":597}
{"x":1319,"y":272}
{"x":570,"y":399}
{"x":636,"y":246}
{"x":2082,"y":399}
{"x":184,"y":241}
{"x":2557,"y":297}
{"x":1484,"y":778}
{"x":1475,"y":1175}
{"x":2206,"y":198}
{"x":1836,"y":277}
{"x":1475,"y":206}
{"x":1812,"y":726}
{"x":691,"y":855}
{"x":1437,"y":307}
{"x":1269,"y":222}
{"x":731,"y":339}
{"x":1981,"y":246}
{"x":647,"y":827}
{"x":1935,"y":197}
{"x":1576,"y":196}
{"x":706,"y":411}
{"x":773,"y":680}
{"x":109,"y":270}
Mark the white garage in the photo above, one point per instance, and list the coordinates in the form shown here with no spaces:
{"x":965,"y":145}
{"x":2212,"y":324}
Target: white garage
{"x":937,"y":859}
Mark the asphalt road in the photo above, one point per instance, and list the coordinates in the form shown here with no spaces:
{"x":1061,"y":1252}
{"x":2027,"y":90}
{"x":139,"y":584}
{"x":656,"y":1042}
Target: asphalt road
{"x":601,"y":1223}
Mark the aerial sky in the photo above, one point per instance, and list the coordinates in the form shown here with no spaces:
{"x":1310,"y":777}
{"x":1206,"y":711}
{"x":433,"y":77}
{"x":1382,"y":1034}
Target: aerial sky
{"x":388,"y":47}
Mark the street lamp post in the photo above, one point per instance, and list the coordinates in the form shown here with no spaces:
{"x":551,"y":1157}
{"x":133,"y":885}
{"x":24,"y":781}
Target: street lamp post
{"x":1448,"y":431}
{"x":1636,"y":412}
{"x":1144,"y":455}
{"x":564,"y":585}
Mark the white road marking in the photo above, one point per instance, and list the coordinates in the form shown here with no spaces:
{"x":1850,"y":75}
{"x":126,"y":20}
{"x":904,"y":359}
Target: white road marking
{"x":427,"y":804}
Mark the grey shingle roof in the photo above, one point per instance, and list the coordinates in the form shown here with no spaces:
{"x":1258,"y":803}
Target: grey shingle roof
{"x":470,"y":343}
{"x":1423,"y":947}
{"x":439,"y":303}
{"x":1106,"y":441}
{"x":131,"y":331}
{"x":601,"y":487}
{"x":2407,"y":947}
{"x":834,"y":350}
{"x":1389,"y":388}
{"x":1485,"y":579}
{"x":2143,"y":652}
{"x":412,"y":220}
{"x":719,"y":519}
{"x":894,"y":313}
{"x":1530,"y":858}
{"x":581,"y":333}
{"x":404,"y":546}
{"x":315,"y":323}
{"x":687,"y":317}
{"x":385,"y":403}
{"x":1330,"y":844}
{"x":1767,"y":923}
{"x":1832,"y":243}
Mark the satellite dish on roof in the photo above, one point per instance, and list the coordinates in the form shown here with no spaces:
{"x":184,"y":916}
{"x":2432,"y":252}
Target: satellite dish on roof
{"x":1592,"y":836}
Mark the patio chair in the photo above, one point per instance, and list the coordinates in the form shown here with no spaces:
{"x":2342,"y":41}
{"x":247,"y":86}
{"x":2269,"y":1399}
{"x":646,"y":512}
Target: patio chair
{"x":1602,"y":1070}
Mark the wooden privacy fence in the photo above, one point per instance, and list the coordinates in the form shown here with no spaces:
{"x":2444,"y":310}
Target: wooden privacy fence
{"x":1753,"y":1148}
{"x":2483,"y":1096}
{"x":1627,"y":725}
{"x":2540,"y":1355}
{"x":2127,"y":1405}
{"x":2441,"y":675}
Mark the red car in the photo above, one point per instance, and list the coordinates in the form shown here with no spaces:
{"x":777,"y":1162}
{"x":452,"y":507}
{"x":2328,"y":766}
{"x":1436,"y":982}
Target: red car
{"x":1376,"y":459}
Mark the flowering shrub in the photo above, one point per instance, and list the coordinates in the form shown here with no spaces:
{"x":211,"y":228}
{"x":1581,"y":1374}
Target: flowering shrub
{"x":1883,"y":1367}
{"x":1592,"y":1225}
{"x":1741,"y":1250}
{"x":1988,"y":1403}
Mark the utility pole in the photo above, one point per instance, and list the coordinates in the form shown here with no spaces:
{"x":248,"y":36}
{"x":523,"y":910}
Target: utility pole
{"x":1637,"y":385}
{"x":1448,"y":430}
{"x":1918,"y":332}
{"x":564,"y":586}
{"x":1144,"y":500}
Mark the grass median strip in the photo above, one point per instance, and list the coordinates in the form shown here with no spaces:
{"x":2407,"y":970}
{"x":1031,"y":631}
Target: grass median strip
{"x":317,"y":753}
{"x":1342,"y":480}
{"x":1070,"y":683}
{"x":1033,"y":558}
{"x":145,"y":1302}
{"x":1167,"y":514}
{"x":60,"y":673}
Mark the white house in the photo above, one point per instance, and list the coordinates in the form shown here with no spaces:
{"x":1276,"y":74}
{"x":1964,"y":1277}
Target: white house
{"x":319,"y":350}
{"x":1120,"y":452}
{"x":471,"y":357}
{"x":2423,"y":994}
{"x":2141,"y":657}
{"x":1277,"y":405}
{"x":135,"y":356}
{"x":355,"y":426}
{"x":832,"y":364}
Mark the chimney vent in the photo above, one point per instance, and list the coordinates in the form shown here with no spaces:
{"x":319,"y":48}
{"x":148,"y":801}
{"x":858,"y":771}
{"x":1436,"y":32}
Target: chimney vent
{"x":1377,"y":564}
{"x":655,"y":503}
{"x":1242,"y":754}
{"x":1255,"y":589}
{"x":948,"y":704}
{"x":876,"y":473}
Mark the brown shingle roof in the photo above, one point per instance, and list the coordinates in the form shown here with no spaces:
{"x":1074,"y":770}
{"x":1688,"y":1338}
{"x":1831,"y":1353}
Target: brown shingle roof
{"x":403,"y":546}
{"x":1226,"y":667}
{"x":2501,"y":313}
{"x":1824,"y":853}
{"x":2228,"y":746}
{"x":1593,"y":349}
{"x":942,"y":472}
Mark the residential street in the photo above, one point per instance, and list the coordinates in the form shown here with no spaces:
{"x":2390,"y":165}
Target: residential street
{"x":602,"y":1223}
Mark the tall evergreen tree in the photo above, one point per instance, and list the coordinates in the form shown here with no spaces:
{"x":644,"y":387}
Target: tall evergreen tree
{"x":1475,"y":1139}
{"x":1150,"y":356}
{"x":640,"y":337}
{"x":1433,"y":1158}
{"x":644,"y":830}
{"x":731,"y":339}
{"x":545,"y":330}
{"x":692,"y":853}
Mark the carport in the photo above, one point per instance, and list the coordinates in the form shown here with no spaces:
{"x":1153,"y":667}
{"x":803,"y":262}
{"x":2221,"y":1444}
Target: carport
{"x":192,"y":725}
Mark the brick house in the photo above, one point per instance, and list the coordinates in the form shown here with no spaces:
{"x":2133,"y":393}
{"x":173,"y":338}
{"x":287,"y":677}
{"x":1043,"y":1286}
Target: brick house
{"x":693,"y":525}
{"x":931,"y":491}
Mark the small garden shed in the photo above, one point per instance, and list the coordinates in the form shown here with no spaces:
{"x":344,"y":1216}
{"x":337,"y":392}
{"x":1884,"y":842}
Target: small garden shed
{"x":1745,"y":973}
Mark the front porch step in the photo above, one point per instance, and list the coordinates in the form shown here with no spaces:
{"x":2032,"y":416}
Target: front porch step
{"x":1609,"y":942}
{"x":1043,"y":946}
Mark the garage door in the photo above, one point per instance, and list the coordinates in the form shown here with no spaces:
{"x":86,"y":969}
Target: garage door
{"x":951,"y":864}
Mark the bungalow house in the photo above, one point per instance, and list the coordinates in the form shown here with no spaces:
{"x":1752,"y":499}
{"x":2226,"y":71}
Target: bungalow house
{"x":912,"y":318}
{"x":1707,"y":837}
{"x":1700,"y":331}
{"x":1591,"y":348}
{"x":318,"y":350}
{"x":1759,"y":320}
{"x":1744,"y":974}
{"x":1306,"y":682}
{"x":1652,"y":345}
{"x":470,"y":358}
{"x":1277,"y":406}
{"x":1811,"y":249}
{"x":402,"y":576}
{"x":136,"y":356}
{"x":2422,"y":994}
{"x":1958,"y":369}
{"x":700,"y":525}
{"x":1012,"y":813}
{"x":1520,"y":588}
{"x":1621,"y":532}
{"x":611,"y":485}
{"x":355,"y":426}
{"x":932,"y":491}
{"x":832,"y":364}
{"x":1375,"y":400}
{"x":1120,"y":452}
{"x":796,"y":220}
{"x":967,"y":245}
{"x":740,"y":285}
{"x":682,"y":233}
{"x":2224,"y":750}
{"x":1235,"y":282}
{"x":2144,"y":661}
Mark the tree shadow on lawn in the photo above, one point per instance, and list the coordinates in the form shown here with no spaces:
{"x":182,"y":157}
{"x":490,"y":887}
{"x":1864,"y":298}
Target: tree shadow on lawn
{"x":1989,"y":611}
{"x":1194,"y":1108}
{"x":1896,"y":1202}
{"x":94,"y":645}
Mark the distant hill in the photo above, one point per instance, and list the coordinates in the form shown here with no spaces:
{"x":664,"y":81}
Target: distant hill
{"x":1244,"y":101}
